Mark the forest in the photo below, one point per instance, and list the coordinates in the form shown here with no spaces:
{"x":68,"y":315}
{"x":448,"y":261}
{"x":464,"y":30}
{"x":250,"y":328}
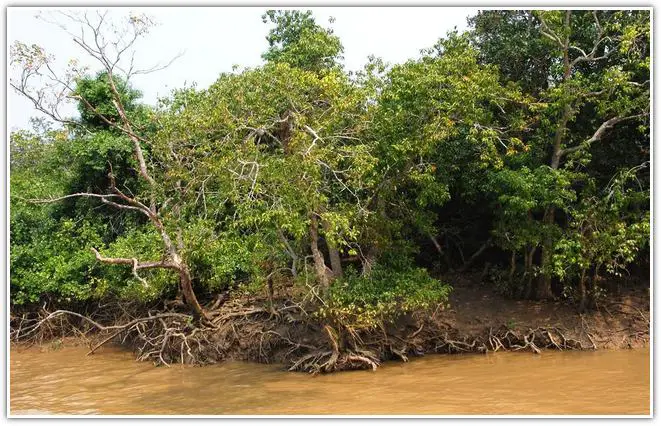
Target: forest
{"x":300,"y":212}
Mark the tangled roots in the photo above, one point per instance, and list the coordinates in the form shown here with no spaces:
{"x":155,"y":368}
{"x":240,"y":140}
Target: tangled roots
{"x":286,"y":335}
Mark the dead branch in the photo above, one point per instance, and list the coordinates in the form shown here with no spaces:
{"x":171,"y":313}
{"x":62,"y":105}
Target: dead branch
{"x":600,"y":133}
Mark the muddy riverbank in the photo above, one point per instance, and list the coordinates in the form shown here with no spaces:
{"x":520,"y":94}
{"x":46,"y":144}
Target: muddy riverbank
{"x":476,"y":320}
{"x":620,"y":321}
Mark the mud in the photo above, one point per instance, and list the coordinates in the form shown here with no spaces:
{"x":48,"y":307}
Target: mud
{"x":477,"y":321}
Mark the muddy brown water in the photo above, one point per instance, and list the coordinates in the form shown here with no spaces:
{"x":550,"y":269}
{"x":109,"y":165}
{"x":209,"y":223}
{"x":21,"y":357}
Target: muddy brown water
{"x":65,"y":381}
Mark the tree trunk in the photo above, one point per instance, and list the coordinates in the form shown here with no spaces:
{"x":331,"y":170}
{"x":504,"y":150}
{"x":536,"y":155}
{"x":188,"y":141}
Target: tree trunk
{"x":582,"y":292}
{"x":512,"y":267}
{"x":186,"y":284}
{"x":333,"y":253}
{"x":317,"y":256}
{"x":368,"y":262}
{"x":544,"y":290}
{"x":440,"y":251}
{"x":529,"y":257}
{"x":485,"y":271}
{"x":592,"y":293}
{"x":475,"y":255}
{"x":270,"y":293}
{"x":336,"y":264}
{"x":290,"y":251}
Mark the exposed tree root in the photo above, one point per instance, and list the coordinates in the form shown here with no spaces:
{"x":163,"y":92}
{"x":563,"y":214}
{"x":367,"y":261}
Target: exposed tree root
{"x":283,"y":332}
{"x":533,"y":340}
{"x":329,"y":361}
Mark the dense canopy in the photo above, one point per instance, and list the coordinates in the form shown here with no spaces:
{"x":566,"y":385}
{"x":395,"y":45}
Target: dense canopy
{"x":519,"y":148}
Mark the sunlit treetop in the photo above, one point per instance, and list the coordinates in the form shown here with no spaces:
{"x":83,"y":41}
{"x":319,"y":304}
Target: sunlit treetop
{"x":300,"y":42}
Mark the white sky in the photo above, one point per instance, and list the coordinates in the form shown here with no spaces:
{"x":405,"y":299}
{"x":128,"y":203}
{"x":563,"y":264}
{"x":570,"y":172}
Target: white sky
{"x":214,"y":39}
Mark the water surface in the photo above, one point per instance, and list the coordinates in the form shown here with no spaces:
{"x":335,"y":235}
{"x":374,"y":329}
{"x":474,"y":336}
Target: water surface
{"x":66,"y":381}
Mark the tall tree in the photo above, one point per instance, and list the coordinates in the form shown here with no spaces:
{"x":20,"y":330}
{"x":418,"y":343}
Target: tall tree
{"x":613,"y":92}
{"x":108,"y":43}
{"x":297,"y":40}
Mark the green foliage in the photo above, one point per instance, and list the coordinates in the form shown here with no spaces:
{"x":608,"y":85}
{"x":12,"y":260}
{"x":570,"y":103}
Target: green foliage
{"x":510,"y":39}
{"x":607,"y":229}
{"x":383,"y":296}
{"x":523,"y":196}
{"x":55,"y":261}
{"x":582,"y":77}
{"x":300,"y":42}
{"x":50,"y":253}
{"x":259,"y":151}
{"x":48,"y":256}
{"x":221,"y":260}
{"x":98,"y":94}
{"x":485,"y":135}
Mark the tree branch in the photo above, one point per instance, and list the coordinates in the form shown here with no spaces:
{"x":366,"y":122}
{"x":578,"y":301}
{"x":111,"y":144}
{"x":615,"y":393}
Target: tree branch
{"x":136,"y":266}
{"x":548,"y":32}
{"x":314,"y":135}
{"x":599,"y":134}
{"x":475,"y":255}
{"x":78,"y":194}
{"x":133,"y":261}
{"x":590,"y":57}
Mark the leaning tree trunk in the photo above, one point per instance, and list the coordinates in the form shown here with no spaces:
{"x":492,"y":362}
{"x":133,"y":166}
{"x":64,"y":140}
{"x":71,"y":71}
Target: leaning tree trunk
{"x":174,"y":263}
{"x":177,"y":263}
{"x":441,"y":253}
{"x":475,"y":255}
{"x":186,"y":284}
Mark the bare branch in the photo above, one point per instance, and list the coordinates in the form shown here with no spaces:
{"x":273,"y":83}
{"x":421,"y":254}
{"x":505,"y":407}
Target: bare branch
{"x":135,"y":264}
{"x":78,"y":194}
{"x":106,"y":119}
{"x":122,"y":206}
{"x":316,"y":138}
{"x":131,"y":200}
{"x":38,"y":105}
{"x":579,"y":49}
{"x":597,"y":92}
{"x":133,"y":261}
{"x":599,"y":134}
{"x":644,"y":83}
{"x":109,"y":53}
{"x":341,"y":182}
{"x":155,"y":68}
{"x":136,"y":141}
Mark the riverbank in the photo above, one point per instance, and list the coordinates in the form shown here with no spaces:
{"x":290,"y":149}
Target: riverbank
{"x":620,"y":321}
{"x":476,"y":320}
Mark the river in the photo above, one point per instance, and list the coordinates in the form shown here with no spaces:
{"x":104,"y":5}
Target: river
{"x":65,"y":381}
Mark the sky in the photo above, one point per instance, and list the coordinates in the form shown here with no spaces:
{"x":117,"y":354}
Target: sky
{"x":214,"y":39}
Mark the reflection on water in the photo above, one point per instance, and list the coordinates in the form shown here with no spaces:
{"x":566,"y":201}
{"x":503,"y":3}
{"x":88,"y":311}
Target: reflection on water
{"x":111,"y":382}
